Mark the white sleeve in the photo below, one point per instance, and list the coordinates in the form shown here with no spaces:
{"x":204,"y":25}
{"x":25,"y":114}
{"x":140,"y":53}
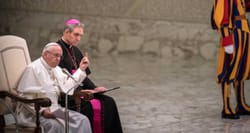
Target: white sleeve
{"x":29,"y":82}
{"x":66,"y":83}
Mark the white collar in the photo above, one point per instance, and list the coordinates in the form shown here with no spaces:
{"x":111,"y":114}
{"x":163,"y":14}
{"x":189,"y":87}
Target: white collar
{"x":45,"y":64}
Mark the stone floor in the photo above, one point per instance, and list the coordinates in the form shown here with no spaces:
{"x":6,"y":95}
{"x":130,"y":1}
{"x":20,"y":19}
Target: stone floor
{"x":166,"y":96}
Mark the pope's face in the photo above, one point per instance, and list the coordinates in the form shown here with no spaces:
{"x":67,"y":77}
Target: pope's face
{"x":53,"y":56}
{"x":74,"y":37}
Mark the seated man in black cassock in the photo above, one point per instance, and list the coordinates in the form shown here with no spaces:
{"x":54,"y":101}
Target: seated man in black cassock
{"x":102,"y":110}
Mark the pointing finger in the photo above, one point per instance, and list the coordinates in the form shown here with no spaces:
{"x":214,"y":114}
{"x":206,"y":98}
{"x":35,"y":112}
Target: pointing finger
{"x":86,"y":54}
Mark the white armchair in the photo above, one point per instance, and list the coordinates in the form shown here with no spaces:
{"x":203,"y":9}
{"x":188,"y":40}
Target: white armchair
{"x":14,"y":57}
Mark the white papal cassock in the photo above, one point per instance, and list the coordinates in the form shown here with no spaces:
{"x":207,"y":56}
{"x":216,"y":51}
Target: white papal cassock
{"x":40,"y":80}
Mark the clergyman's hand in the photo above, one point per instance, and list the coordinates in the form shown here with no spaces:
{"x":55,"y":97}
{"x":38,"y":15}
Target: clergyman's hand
{"x":89,"y":91}
{"x":88,"y":94}
{"x":84,"y":62}
{"x":100,"y":89}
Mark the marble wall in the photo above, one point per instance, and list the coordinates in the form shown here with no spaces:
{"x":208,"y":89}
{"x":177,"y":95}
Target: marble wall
{"x":159,"y":28}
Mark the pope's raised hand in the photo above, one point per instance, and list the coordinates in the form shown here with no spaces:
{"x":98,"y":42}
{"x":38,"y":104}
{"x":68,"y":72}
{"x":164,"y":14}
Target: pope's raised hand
{"x":84,"y":62}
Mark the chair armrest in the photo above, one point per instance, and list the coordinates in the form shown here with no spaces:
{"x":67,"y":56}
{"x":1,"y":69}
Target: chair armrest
{"x":39,"y":102}
{"x":78,"y":96}
{"x":42,"y":102}
{"x":86,"y":96}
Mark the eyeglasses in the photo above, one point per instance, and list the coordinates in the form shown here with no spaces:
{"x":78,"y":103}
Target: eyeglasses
{"x":55,"y":54}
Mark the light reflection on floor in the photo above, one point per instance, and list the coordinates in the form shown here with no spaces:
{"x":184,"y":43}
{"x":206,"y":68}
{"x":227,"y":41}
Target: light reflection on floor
{"x":166,"y":96}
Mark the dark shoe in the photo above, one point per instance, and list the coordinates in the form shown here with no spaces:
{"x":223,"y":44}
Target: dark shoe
{"x":243,"y":112}
{"x":230,"y":116}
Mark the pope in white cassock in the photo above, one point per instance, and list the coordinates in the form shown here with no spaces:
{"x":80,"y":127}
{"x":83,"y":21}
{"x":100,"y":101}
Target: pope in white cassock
{"x":44,"y":78}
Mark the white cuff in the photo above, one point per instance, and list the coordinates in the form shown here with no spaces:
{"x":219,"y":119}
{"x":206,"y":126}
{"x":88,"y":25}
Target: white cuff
{"x":229,"y":49}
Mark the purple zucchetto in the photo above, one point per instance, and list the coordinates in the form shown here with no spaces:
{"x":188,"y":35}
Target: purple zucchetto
{"x":72,"y":21}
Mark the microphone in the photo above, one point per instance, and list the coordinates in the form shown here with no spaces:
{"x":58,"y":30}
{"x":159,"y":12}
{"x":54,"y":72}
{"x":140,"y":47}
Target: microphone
{"x":65,"y":71}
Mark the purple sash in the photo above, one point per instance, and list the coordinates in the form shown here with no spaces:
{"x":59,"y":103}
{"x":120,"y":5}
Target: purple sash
{"x":96,"y":105}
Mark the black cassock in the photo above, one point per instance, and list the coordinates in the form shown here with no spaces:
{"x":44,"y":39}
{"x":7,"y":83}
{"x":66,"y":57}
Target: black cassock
{"x":110,"y":120}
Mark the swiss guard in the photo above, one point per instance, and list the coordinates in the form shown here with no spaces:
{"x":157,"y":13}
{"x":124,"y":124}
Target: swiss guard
{"x":229,"y":19}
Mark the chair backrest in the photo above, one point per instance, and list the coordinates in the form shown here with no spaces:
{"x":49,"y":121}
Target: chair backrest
{"x":14,"y":57}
